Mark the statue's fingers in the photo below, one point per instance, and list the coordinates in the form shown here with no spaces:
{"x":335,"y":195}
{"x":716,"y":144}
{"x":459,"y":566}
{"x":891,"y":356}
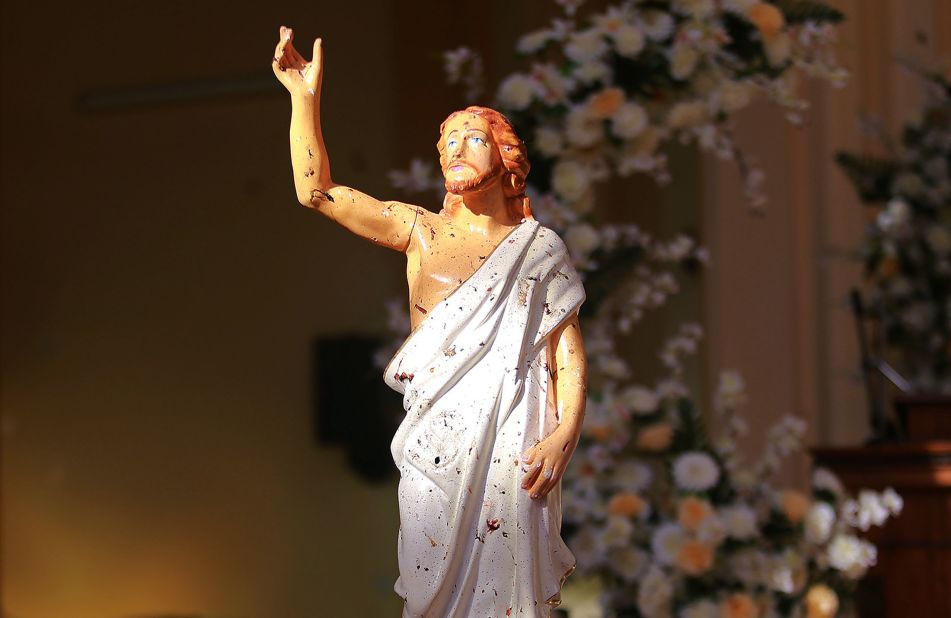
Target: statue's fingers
{"x":529,"y":455}
{"x":318,"y":57}
{"x":280,"y":52}
{"x":552,"y":481}
{"x":297,"y":61}
{"x":533,"y":472}
{"x":541,"y":480}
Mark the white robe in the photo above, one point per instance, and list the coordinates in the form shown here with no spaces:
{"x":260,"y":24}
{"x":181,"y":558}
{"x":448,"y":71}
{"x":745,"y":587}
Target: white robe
{"x":475,"y":383}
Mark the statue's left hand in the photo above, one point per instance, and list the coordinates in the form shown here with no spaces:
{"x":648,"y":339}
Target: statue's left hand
{"x":546,"y":461}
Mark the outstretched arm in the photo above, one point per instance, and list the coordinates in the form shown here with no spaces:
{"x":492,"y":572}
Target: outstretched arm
{"x":548,"y":459}
{"x":386,"y":223}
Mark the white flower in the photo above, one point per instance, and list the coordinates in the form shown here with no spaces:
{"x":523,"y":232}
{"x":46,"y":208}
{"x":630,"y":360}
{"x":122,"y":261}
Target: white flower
{"x":582,"y":239}
{"x":548,"y":141}
{"x":866,"y":512}
{"x":666,"y":542}
{"x":734,"y":96}
{"x":617,"y":532}
{"x":639,"y":399}
{"x":628,"y":40}
{"x":454,"y":60}
{"x":825,"y":479}
{"x":592,"y":71}
{"x":581,"y":128}
{"x":671,"y":388}
{"x":787,"y":572}
{"x":552,"y":85}
{"x":704,"y":608}
{"x":696,"y":471}
{"x":586,"y":46}
{"x":570,"y":181}
{"x":613,"y":367}
{"x":655,"y":593}
{"x":819,"y":522}
{"x":534,"y":41}
{"x":629,"y":562}
{"x":740,"y":521}
{"x":683,"y":60}
{"x":599,"y":457}
{"x":851,"y":555}
{"x":892,"y":501}
{"x":778,"y":48}
{"x":629,"y":120}
{"x":731,"y":390}
{"x":895,"y":216}
{"x":516,"y":91}
{"x":712,"y":531}
{"x":587,"y":548}
{"x":420,"y":177}
{"x":749,"y":566}
{"x":686,"y":114}
{"x":658,"y":25}
{"x":631,"y":475}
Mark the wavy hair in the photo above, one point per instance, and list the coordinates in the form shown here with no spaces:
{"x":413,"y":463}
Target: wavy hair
{"x":512,"y":152}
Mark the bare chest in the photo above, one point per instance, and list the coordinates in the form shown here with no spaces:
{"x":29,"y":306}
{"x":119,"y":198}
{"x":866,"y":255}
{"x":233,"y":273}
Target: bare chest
{"x":441,"y":263}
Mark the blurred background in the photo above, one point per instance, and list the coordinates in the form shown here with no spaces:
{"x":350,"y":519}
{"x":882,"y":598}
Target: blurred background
{"x":162,"y":290}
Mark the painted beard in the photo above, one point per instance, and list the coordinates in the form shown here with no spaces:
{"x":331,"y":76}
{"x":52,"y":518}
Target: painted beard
{"x":480,"y":181}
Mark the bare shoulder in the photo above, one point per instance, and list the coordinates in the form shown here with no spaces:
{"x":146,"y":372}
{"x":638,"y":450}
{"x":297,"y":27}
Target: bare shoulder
{"x":422,"y":222}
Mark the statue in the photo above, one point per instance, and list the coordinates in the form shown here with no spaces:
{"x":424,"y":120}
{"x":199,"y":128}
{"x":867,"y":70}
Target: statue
{"x":493,"y":375}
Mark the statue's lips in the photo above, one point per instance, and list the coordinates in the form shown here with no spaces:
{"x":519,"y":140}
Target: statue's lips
{"x":458,"y":167}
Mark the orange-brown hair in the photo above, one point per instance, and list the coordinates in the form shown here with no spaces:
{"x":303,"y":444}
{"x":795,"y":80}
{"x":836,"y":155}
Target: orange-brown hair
{"x":512,"y":152}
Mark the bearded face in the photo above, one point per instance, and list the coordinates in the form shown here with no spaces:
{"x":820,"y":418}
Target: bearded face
{"x":472,"y":158}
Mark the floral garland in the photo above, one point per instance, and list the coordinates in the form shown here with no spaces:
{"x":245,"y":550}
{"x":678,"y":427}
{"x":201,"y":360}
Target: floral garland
{"x":907,"y":248}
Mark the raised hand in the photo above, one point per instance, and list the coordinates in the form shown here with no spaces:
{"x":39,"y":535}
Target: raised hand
{"x":301,"y":78}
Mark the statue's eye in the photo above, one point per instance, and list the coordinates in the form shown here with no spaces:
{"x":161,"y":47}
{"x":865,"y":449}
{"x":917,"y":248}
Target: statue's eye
{"x":451,"y":143}
{"x":475,"y":139}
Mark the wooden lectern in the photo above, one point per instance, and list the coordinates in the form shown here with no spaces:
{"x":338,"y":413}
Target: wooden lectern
{"x":913,"y":574}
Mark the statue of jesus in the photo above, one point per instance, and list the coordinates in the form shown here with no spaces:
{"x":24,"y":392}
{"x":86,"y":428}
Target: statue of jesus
{"x":493,"y":375}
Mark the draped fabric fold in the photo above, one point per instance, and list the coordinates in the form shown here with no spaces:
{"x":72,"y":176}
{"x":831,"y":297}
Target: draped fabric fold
{"x":475,"y":384}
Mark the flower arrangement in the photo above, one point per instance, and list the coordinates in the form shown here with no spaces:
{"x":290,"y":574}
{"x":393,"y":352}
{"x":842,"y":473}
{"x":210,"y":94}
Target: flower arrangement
{"x":671,"y":520}
{"x":907,"y":247}
{"x":602,"y":97}
{"x":675,"y":523}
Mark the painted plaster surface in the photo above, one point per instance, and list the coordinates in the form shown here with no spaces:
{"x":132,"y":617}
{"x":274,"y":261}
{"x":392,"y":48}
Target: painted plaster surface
{"x":475,"y":381}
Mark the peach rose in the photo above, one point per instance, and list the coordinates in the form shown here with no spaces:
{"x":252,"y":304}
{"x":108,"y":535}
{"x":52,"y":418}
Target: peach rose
{"x":795,"y":505}
{"x":692,"y":511}
{"x":605,"y":103}
{"x":656,"y":437}
{"x":601,"y":433}
{"x":626,"y":504}
{"x":821,"y":602}
{"x":767,"y":18}
{"x":738,"y":605}
{"x":694,"y":557}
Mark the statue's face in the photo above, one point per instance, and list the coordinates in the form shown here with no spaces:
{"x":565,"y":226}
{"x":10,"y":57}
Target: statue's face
{"x":472,"y":158}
